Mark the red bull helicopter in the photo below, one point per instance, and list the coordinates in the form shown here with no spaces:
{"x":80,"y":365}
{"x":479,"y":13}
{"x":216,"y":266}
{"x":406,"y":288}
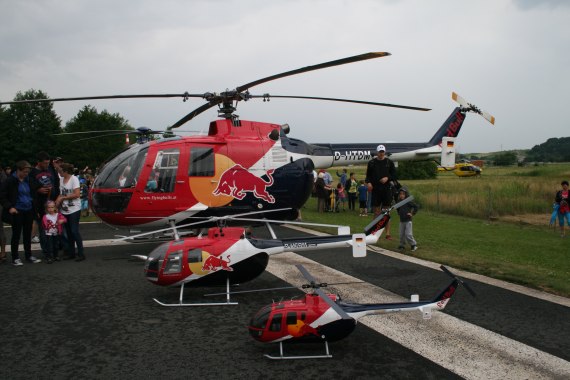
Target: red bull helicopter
{"x":239,"y":166}
{"x":321,"y":317}
{"x":231,"y":255}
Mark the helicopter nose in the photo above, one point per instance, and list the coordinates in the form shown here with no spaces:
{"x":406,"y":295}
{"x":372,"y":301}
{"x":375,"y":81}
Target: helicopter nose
{"x":154,"y":262}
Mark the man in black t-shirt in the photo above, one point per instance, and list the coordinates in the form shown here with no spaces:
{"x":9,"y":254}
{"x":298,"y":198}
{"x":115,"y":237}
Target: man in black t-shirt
{"x":380,"y":174}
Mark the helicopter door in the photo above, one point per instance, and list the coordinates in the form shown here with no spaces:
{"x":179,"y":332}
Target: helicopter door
{"x":160,"y":189}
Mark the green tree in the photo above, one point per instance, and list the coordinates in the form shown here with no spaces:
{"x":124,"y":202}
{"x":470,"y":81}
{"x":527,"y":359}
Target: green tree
{"x":417,"y":170}
{"x":92,"y":149}
{"x":28,"y":128}
{"x":505,"y":158}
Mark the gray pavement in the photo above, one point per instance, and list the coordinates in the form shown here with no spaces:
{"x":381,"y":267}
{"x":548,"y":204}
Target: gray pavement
{"x":96,"y":319}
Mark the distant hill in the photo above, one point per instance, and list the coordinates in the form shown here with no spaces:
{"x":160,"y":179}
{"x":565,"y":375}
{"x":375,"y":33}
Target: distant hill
{"x":553,"y":150}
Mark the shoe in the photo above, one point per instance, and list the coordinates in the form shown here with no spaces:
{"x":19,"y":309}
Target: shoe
{"x":49,"y":261}
{"x":33,"y":260}
{"x":388,"y":237}
{"x":80,"y":258}
{"x":69,"y":257}
{"x":56,"y":258}
{"x":17,"y":263}
{"x":401,"y":247}
{"x":36,"y":239}
{"x":414,"y":248}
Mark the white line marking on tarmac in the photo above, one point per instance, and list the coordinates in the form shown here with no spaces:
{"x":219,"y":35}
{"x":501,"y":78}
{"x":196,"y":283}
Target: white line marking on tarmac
{"x":463,"y":348}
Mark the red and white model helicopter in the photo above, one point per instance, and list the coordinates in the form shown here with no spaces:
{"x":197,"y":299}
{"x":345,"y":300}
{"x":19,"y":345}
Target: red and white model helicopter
{"x":324,"y":317}
{"x":230,"y":255}
{"x":239,"y":166}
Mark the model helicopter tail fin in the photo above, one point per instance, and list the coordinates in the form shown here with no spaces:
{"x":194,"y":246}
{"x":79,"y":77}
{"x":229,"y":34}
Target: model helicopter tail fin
{"x":445,"y":295}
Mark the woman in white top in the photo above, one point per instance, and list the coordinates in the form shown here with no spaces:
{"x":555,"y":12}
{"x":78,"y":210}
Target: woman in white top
{"x":70,"y":204}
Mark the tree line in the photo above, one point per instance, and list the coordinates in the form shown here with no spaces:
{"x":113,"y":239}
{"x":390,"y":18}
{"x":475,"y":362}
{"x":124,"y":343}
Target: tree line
{"x":26,"y":129}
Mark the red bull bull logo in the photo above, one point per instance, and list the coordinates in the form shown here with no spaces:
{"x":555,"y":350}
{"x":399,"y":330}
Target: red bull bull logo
{"x":214,"y":263}
{"x":237,"y":181}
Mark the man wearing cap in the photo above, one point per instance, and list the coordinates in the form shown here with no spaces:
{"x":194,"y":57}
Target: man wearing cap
{"x":380,"y":172}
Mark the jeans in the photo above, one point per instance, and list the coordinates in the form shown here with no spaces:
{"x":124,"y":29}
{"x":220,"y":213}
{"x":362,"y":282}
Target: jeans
{"x":22,"y":223}
{"x":52,"y":246}
{"x":73,"y":236}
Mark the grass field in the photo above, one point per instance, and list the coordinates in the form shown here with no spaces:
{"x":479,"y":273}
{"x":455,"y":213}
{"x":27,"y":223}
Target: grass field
{"x":495,"y":225}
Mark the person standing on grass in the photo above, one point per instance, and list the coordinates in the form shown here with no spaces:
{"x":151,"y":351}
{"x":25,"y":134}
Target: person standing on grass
{"x":380,"y":175}
{"x":406,"y":213}
{"x":563,"y":201}
{"x":351,"y":190}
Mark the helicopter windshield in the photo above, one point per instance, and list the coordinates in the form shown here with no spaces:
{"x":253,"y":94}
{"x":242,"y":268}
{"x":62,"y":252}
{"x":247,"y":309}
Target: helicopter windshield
{"x":123,"y":170}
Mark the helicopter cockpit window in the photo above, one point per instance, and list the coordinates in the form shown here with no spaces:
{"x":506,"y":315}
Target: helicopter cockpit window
{"x":195,"y":256}
{"x":123,"y":170}
{"x":173,"y":263}
{"x":201,"y":162}
{"x":261,"y":318}
{"x":276,"y":322}
{"x":162,"y":177}
{"x":292,"y":318}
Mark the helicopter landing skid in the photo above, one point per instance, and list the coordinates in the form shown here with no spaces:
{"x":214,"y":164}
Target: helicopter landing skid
{"x":283,"y":357}
{"x":181,"y":303}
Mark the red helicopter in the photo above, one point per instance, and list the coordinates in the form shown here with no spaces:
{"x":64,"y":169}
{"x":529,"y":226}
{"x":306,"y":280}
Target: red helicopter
{"x":239,"y":166}
{"x":231,"y":255}
{"x":324,"y":317}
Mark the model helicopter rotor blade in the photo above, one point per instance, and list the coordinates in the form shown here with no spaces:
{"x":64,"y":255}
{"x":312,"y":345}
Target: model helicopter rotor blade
{"x":102,"y":97}
{"x":313,"y":284}
{"x":304,"y":286}
{"x":208,"y":220}
{"x":338,"y":62}
{"x":268,"y":97}
{"x":466,"y":285}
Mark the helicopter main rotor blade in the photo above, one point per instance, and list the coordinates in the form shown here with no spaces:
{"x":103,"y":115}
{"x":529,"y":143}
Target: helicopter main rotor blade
{"x":342,"y":61}
{"x":236,"y":94}
{"x":193,"y":114}
{"x":268,"y":96}
{"x":185,"y":96}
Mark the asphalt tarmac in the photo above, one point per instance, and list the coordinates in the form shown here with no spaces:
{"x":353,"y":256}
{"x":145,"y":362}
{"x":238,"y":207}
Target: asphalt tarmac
{"x":96,"y":319}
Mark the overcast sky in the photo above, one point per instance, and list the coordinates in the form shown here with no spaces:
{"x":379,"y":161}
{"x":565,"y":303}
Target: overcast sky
{"x":509,"y":57}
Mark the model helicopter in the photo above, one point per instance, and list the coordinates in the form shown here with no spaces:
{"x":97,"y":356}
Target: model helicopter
{"x":230,"y":255}
{"x":324,"y":317}
{"x":239,"y":166}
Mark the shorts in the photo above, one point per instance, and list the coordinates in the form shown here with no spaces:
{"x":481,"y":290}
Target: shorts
{"x":84,"y":204}
{"x":382,"y":196}
{"x":362,"y":204}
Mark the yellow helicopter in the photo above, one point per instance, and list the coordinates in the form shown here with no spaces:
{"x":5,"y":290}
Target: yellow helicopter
{"x":463,"y":169}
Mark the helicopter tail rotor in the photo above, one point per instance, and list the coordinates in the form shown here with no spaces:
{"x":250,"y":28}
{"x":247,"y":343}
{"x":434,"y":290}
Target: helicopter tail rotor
{"x":468,"y":107}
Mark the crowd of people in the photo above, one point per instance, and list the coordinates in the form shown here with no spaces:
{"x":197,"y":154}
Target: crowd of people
{"x":43,"y":204}
{"x":375,"y":194}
